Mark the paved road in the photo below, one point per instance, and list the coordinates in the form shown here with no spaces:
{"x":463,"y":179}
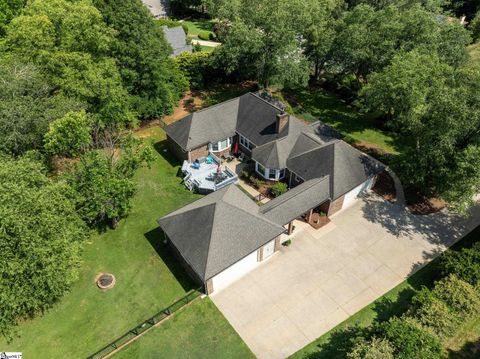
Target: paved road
{"x":325,"y":276}
{"x":158,"y":8}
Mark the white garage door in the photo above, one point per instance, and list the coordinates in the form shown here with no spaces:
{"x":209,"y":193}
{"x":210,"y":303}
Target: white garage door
{"x":351,"y":196}
{"x":234,"y":272}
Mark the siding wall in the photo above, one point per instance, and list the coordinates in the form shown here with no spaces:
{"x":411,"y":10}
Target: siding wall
{"x":176,"y":149}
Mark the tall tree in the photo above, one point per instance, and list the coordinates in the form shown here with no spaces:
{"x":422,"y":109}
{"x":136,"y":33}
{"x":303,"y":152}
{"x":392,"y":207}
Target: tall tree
{"x":142,"y":54}
{"x":70,"y":41}
{"x":103,"y":180}
{"x":436,"y":109}
{"x":8,"y":10}
{"x":27,"y":105}
{"x":40,"y":240}
{"x":263,"y":41}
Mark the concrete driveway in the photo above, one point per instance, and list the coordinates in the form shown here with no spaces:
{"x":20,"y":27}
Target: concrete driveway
{"x":325,"y":276}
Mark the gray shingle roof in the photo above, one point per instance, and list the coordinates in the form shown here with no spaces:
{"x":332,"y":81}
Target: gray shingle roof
{"x":297,"y":201}
{"x":218,"y":230}
{"x":208,"y":125}
{"x":346,"y":166}
{"x":275,"y":154}
{"x":177,"y":39}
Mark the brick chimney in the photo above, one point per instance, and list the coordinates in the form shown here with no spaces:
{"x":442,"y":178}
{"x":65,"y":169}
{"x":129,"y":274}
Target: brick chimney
{"x":282,"y":121}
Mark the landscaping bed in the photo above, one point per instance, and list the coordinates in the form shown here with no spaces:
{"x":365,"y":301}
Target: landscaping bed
{"x":421,"y":204}
{"x":385,"y":187}
{"x":318,"y":220}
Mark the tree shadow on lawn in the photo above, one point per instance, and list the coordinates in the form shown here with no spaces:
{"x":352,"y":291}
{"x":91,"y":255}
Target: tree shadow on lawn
{"x":470,"y":349}
{"x":156,"y":239}
{"x":317,"y":104}
{"x":162,"y":149}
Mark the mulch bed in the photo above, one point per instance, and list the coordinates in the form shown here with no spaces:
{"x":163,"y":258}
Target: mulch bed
{"x":421,"y":204}
{"x":317,"y":221}
{"x":385,"y":187}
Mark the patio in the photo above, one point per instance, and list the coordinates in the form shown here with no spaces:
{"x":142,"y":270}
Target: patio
{"x":207,"y":174}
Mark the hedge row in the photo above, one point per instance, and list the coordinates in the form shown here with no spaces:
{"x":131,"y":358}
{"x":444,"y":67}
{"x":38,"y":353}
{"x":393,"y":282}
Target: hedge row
{"x":434,"y":315}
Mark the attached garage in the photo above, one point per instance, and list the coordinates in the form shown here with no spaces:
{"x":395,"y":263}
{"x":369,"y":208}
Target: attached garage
{"x":359,"y":191}
{"x":220,"y":237}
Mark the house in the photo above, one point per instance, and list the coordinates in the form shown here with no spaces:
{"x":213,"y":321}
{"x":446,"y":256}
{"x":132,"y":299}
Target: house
{"x":177,"y":39}
{"x":225,"y":234}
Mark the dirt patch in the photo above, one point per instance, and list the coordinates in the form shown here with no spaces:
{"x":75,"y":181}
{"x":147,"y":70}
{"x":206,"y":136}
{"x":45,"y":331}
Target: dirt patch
{"x":385,"y":187}
{"x":371,"y":149}
{"x":191,"y":102}
{"x":420,"y":204}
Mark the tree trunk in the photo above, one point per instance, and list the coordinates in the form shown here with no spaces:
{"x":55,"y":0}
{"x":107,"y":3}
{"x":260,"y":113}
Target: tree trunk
{"x":114,"y":223}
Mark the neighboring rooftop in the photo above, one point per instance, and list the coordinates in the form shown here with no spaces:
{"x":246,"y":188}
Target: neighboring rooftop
{"x":177,"y":39}
{"x":218,"y":230}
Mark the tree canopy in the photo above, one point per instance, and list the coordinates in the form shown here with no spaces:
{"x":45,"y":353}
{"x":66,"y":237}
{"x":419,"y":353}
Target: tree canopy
{"x":142,"y":54}
{"x":40,"y":240}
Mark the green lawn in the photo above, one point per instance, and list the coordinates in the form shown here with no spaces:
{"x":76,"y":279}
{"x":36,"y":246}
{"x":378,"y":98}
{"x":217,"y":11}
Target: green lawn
{"x":197,"y":331}
{"x":318,"y":104}
{"x":196,"y":26}
{"x":148,"y":277}
{"x":393,"y":303}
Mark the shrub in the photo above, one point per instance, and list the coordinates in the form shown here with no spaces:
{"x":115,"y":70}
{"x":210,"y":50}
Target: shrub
{"x":433,"y":313}
{"x":205,"y":35}
{"x":410,"y":340}
{"x":279,"y":188}
{"x":197,"y":67}
{"x":465,"y":264}
{"x":375,"y":348}
{"x":459,"y":295}
{"x":257,"y":182}
{"x":287,"y":242}
{"x":69,"y":135}
{"x":245,"y":174}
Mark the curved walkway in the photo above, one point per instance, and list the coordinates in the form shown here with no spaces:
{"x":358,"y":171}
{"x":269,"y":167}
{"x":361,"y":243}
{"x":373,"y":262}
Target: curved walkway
{"x":400,"y":194}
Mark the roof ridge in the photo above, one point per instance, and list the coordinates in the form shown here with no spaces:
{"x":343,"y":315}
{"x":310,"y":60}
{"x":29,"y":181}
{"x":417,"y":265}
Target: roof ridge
{"x":258,"y":215}
{"x":269,"y":103}
{"x":314,"y":182}
{"x":210,"y":241}
{"x":317,"y":148}
{"x":209,"y":107}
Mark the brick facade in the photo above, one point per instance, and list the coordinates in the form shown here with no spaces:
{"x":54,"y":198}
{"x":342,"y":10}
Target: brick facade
{"x":335,"y":206}
{"x":209,"y":287}
{"x":198,"y":152}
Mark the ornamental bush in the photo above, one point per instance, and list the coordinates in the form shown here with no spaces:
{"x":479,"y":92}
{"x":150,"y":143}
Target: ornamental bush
{"x":205,"y":35}
{"x":460,"y":296}
{"x":433,"y":314}
{"x":465,"y":264}
{"x":279,"y":188}
{"x":410,"y":340}
{"x":375,"y":348}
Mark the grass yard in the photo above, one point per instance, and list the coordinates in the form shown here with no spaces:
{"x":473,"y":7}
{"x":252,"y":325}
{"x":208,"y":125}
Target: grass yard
{"x":196,"y":26}
{"x":148,"y":278}
{"x":393,"y":303}
{"x":185,"y":336}
{"x":318,"y":104}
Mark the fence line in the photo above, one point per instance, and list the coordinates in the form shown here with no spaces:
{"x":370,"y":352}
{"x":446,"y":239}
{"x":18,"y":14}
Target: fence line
{"x":144,"y":326}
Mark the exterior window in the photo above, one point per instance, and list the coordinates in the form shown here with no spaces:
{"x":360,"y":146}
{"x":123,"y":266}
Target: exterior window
{"x":220,"y":145}
{"x":297,"y":179}
{"x":245,"y":143}
{"x":272,"y":174}
{"x":260,"y":169}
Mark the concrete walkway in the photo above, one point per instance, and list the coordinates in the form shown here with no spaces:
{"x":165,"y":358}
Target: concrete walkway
{"x":325,"y":276}
{"x":206,"y":43}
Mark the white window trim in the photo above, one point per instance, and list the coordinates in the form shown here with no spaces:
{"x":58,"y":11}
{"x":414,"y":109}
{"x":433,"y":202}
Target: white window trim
{"x":267,"y":171}
{"x":245,"y":142}
{"x":219,"y":143}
